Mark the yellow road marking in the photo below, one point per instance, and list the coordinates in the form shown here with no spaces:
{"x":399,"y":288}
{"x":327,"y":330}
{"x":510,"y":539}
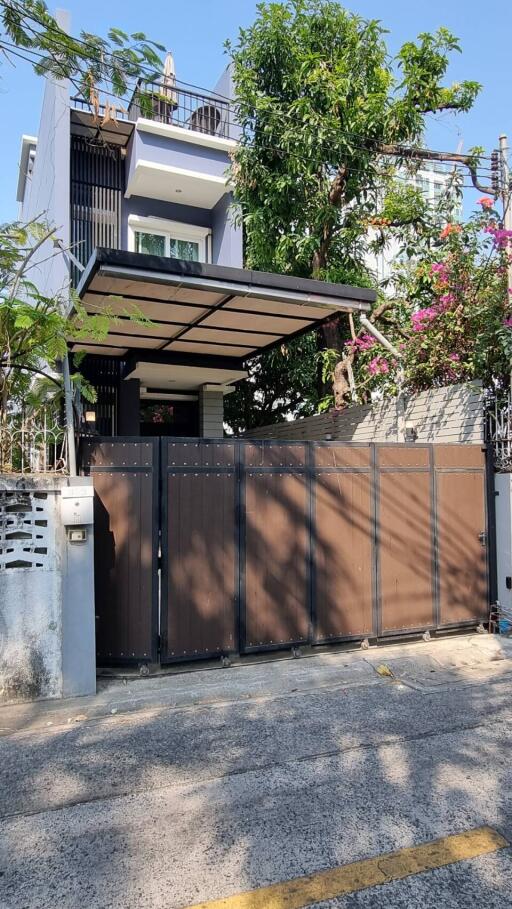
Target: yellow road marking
{"x":392,"y":866}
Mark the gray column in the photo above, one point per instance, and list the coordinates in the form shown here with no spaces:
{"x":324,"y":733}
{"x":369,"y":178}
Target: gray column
{"x":211,"y":413}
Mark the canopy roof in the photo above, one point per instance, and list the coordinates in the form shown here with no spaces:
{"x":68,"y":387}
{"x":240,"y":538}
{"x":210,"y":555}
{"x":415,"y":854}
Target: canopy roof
{"x":203,"y":310}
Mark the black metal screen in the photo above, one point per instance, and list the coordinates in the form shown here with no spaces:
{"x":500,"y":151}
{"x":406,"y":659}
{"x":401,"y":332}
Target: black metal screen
{"x":97,"y":183}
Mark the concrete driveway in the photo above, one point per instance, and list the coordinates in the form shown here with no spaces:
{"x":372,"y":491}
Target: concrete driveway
{"x":213,"y":786}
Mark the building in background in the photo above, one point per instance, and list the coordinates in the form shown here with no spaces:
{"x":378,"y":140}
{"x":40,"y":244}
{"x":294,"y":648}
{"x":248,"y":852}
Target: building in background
{"x":436,"y":183}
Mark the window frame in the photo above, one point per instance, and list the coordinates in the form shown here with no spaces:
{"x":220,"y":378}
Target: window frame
{"x":171,"y":230}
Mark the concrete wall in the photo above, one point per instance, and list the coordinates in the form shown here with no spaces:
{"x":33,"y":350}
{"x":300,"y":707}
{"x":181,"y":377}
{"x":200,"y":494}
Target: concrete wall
{"x":450,"y":414}
{"x":211,"y":414}
{"x":47,"y":190}
{"x":47,"y":641}
{"x":503,"y":503}
{"x":227,"y":239}
{"x":146,"y":146}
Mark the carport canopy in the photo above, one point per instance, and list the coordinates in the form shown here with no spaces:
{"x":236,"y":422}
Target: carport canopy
{"x":199,"y":309}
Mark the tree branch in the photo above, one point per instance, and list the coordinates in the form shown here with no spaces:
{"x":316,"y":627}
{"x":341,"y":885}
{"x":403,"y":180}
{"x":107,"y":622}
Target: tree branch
{"x":426,"y":154}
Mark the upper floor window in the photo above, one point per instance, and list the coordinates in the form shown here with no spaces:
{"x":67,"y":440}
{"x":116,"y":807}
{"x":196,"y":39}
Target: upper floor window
{"x":158,"y":237}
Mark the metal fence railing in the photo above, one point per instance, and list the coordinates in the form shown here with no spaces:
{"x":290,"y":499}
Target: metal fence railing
{"x":201,"y":111}
{"x":499,"y":430}
{"x":32,"y":443}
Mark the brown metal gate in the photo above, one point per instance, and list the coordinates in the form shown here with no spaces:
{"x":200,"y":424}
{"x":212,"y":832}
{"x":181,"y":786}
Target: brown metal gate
{"x":273,"y":544}
{"x":126,"y":521}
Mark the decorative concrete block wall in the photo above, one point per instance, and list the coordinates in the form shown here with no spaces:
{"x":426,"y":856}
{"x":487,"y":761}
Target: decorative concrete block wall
{"x":47,"y":646}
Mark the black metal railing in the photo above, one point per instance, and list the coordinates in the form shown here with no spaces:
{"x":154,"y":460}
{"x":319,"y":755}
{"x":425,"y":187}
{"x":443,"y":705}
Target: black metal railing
{"x":204,"y":112}
{"x":498,"y":430}
{"x":200,"y":111}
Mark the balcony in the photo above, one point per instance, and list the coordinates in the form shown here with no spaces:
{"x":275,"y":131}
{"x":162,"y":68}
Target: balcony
{"x":203,"y":113}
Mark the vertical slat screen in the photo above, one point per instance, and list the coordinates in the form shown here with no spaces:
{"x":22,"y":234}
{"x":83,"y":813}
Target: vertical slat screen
{"x":97,"y":182}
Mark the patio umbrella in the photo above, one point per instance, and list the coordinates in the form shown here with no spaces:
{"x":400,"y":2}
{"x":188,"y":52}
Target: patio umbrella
{"x":169,"y":80}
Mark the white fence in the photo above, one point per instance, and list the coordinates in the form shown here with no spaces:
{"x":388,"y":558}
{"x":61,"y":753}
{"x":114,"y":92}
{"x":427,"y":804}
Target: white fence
{"x":450,"y":414}
{"x":33,"y":442}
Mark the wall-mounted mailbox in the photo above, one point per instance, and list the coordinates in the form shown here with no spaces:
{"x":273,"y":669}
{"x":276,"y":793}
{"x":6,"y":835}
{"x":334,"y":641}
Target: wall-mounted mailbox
{"x":77,"y":505}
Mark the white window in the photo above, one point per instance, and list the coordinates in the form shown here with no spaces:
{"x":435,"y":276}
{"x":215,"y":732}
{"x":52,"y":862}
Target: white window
{"x":158,"y":237}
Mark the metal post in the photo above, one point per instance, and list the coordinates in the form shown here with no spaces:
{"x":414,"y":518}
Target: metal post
{"x":68,"y":410}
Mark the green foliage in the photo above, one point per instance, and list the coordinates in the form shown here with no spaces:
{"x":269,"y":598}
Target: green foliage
{"x":450,"y":313}
{"x":282,"y":381}
{"x":318,"y":98}
{"x":322,"y":106}
{"x":88,"y":60}
{"x":34,"y":329}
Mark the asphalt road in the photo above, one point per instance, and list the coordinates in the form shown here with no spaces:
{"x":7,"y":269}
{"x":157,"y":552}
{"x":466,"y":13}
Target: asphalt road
{"x":177,"y":805}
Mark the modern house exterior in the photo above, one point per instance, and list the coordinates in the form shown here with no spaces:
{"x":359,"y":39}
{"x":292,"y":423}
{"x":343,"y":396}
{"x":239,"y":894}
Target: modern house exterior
{"x":204,"y":545}
{"x":143,"y":206}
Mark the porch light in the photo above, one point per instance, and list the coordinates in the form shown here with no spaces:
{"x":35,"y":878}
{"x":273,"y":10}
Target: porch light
{"x":90,"y":416}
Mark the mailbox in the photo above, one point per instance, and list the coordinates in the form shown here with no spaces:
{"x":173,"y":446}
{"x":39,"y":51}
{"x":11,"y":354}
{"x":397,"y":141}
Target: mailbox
{"x":77,"y":505}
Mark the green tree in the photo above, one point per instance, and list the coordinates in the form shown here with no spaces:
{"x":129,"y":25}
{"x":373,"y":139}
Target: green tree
{"x":33,"y":327}
{"x":327,"y":115}
{"x":89,"y":61}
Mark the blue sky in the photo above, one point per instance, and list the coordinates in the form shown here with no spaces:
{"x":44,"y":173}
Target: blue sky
{"x":196,"y":29}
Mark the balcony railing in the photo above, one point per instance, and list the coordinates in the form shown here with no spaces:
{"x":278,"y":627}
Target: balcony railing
{"x":204,"y":112}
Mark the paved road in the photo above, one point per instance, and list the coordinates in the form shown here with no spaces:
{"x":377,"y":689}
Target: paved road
{"x":171,"y":806}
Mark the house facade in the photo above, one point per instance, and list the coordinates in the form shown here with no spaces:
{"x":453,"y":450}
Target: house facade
{"x":142,"y":193}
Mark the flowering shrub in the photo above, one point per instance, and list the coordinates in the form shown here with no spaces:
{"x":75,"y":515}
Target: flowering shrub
{"x":452,"y":313}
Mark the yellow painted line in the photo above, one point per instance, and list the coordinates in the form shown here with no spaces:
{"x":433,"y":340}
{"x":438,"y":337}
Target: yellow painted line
{"x":383,"y":869}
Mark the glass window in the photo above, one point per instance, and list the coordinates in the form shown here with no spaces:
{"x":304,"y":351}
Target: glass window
{"x":184,"y":249}
{"x":438,"y":191}
{"x":151,"y":244}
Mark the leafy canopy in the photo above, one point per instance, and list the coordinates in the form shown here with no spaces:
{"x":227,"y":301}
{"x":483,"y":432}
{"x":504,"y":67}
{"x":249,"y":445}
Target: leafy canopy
{"x":89,"y":60}
{"x":321,"y":101}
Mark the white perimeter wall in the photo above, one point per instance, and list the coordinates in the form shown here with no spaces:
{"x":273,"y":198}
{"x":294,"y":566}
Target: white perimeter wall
{"x":47,"y":622}
{"x":450,"y":414}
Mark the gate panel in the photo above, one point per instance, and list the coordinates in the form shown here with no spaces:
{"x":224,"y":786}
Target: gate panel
{"x":199,"y":549}
{"x":461,"y":521}
{"x":125,"y":548}
{"x":405,"y":539}
{"x":276,"y":547}
{"x":343,"y":542}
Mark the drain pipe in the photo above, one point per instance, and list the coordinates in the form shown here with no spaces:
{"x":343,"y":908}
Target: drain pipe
{"x":402,"y":430}
{"x":379,"y":336}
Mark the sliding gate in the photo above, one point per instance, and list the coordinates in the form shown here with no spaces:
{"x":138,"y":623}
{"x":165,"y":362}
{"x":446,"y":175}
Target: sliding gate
{"x":266,"y":545}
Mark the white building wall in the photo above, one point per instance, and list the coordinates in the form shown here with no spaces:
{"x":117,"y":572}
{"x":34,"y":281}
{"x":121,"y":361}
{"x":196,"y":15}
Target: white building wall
{"x":46,"y":195}
{"x":503,"y":504}
{"x":47,"y":620}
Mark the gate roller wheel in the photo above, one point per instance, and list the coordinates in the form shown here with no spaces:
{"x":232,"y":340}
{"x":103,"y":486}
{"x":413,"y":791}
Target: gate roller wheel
{"x":143,"y":669}
{"x":365,"y":644}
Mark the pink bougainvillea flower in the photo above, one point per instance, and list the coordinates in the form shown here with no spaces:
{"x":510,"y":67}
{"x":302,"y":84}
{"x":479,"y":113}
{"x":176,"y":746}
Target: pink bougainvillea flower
{"x":500,"y":236}
{"x":507,"y":322}
{"x":455,"y":357}
{"x":447,"y":299}
{"x":365,"y":342}
{"x":440,"y":271}
{"x":486,"y":202}
{"x":449,"y":229}
{"x":422,"y":319}
{"x":378,"y":365}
